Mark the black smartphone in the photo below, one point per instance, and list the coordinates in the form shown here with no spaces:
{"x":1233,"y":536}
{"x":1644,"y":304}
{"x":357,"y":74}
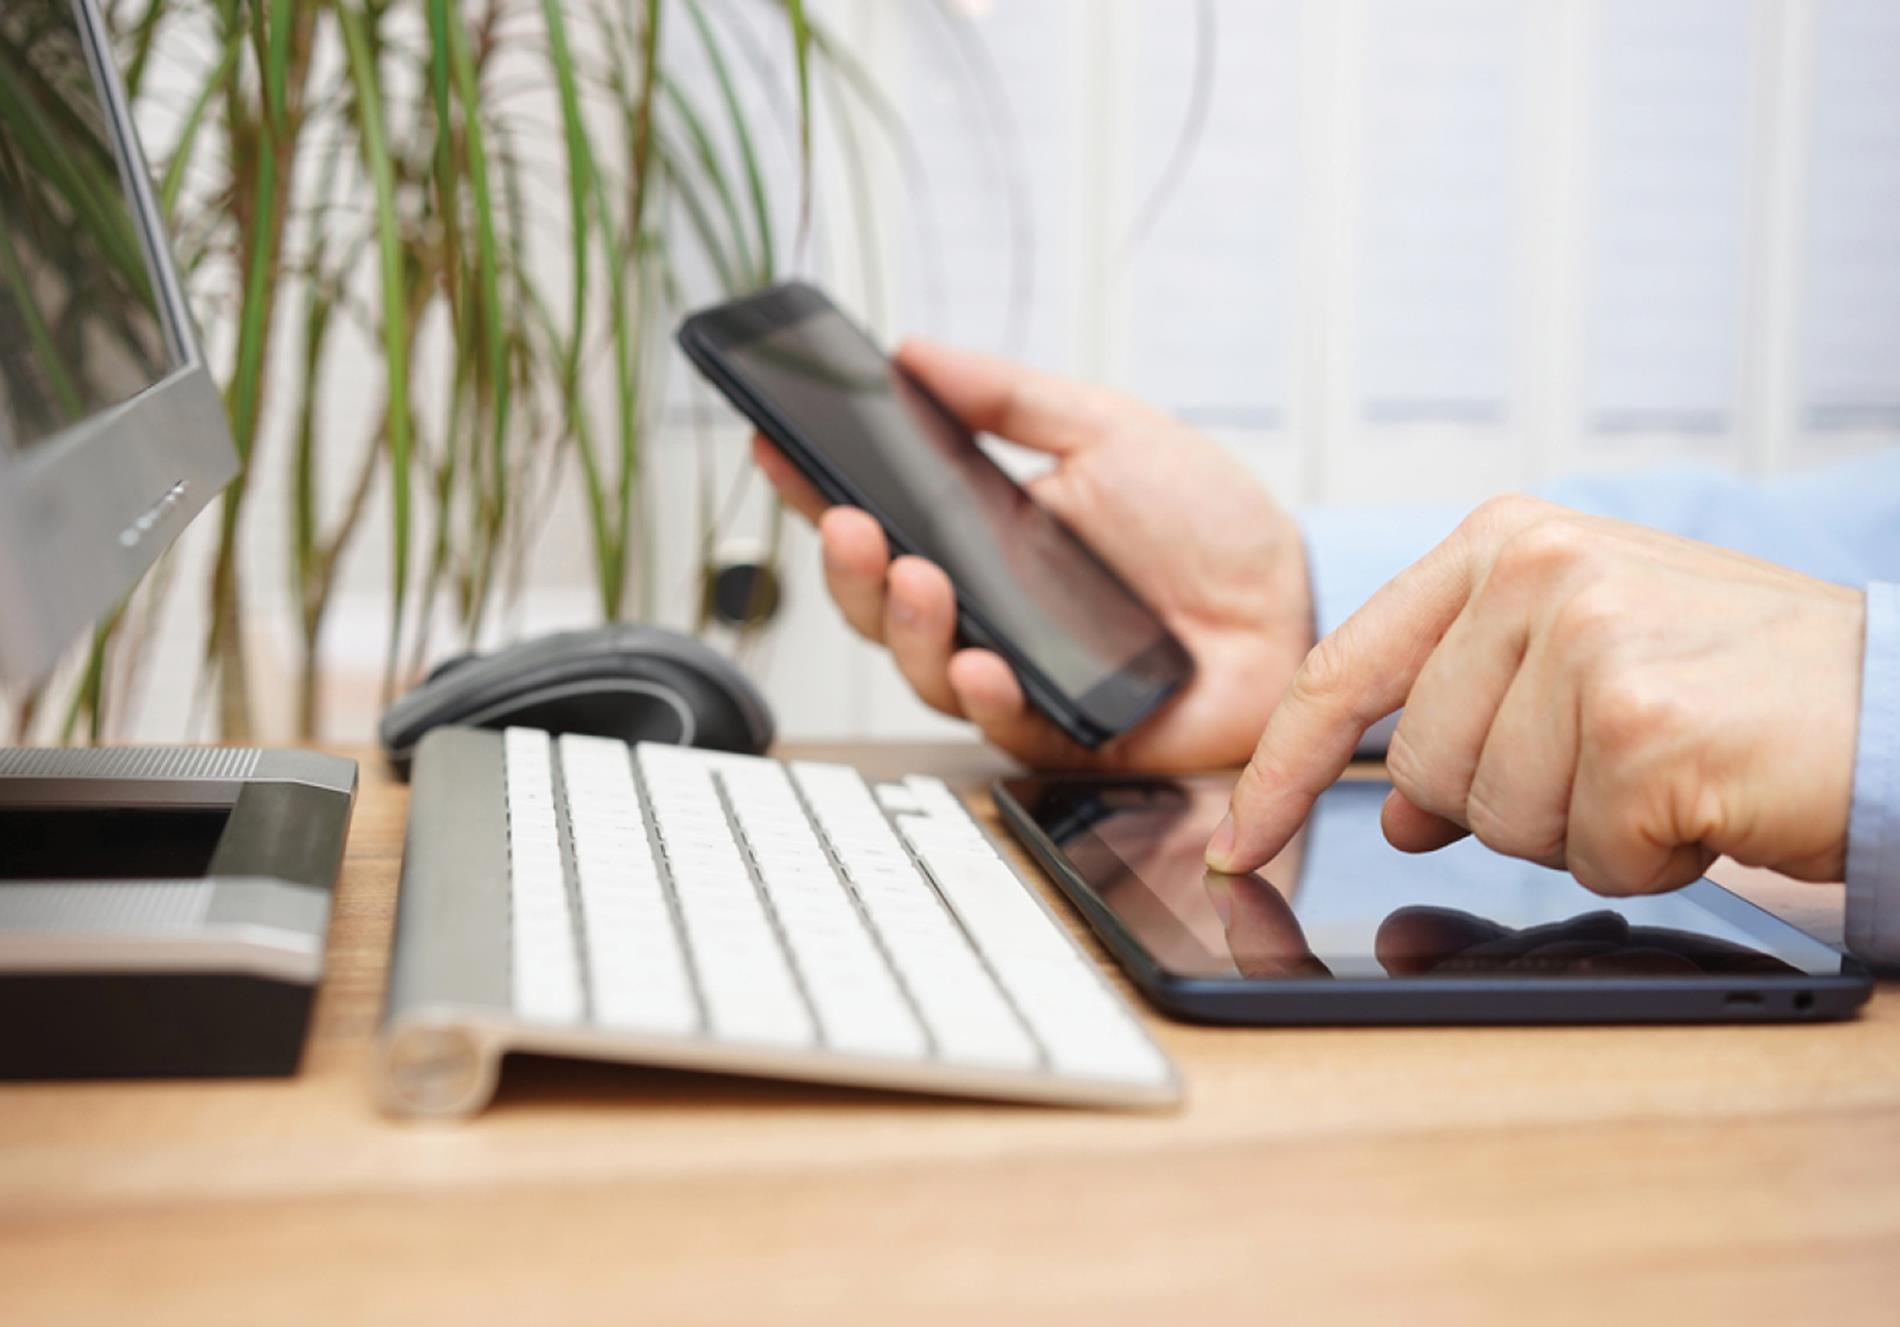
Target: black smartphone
{"x":1089,"y":653}
{"x":1343,"y":928}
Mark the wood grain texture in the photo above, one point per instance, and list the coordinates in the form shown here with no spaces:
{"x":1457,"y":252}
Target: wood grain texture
{"x":1740,"y":1174}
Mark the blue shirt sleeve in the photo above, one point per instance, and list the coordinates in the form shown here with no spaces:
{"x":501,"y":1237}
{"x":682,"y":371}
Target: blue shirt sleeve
{"x":1873,"y":836}
{"x":1839,"y":523}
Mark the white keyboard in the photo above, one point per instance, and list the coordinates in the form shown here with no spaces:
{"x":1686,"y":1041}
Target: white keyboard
{"x":664,"y":905}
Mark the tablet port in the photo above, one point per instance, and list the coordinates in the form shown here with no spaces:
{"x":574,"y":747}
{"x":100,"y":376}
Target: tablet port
{"x":1803,"y":1001}
{"x":1743,"y":1000}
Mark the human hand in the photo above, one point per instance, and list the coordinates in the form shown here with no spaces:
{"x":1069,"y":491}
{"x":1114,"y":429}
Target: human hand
{"x":1182,"y":521}
{"x":1585,"y":694}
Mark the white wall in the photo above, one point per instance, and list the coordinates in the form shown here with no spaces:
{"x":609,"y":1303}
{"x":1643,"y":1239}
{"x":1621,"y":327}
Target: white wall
{"x":1426,"y":249}
{"x":1429,"y":249}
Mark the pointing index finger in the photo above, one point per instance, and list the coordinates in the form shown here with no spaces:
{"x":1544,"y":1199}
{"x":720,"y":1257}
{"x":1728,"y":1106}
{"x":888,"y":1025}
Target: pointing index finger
{"x":1352,"y":679}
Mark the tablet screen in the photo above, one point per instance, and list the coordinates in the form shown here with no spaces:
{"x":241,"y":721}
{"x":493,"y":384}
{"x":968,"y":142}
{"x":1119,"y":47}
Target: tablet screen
{"x":1341,"y":902}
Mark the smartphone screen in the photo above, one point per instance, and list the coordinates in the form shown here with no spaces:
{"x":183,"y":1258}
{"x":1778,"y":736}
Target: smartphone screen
{"x":1019,"y":573}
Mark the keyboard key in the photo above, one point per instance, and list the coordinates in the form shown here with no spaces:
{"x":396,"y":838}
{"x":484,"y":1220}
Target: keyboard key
{"x":1080,"y":1022}
{"x":636,"y":971}
{"x":968,"y":1018}
{"x":748,"y":986}
{"x":860,"y":1007}
{"x":547,"y":980}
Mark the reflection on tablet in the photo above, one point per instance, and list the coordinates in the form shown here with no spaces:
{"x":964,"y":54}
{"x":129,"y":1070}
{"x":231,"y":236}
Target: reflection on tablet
{"x":1341,"y":902}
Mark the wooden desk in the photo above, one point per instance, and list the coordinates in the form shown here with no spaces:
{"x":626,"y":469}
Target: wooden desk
{"x":1727,"y":1174}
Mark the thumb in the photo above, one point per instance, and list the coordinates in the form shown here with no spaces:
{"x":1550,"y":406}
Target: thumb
{"x":990,"y":394}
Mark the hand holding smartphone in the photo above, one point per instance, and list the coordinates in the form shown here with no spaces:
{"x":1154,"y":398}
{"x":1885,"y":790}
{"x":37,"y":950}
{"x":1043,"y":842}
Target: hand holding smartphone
{"x":1088,"y":652}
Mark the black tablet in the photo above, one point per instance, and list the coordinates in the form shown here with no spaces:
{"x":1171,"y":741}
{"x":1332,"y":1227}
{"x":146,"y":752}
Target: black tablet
{"x":1344,"y":928}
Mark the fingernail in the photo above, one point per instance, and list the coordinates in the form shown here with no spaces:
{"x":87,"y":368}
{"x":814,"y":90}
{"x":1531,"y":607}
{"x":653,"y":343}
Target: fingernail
{"x":1220,"y":848}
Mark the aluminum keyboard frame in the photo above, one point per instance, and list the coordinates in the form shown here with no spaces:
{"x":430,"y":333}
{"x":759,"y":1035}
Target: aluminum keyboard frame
{"x":451,"y":1015}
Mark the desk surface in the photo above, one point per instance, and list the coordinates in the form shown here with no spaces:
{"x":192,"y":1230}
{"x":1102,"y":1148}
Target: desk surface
{"x":1715,"y":1173}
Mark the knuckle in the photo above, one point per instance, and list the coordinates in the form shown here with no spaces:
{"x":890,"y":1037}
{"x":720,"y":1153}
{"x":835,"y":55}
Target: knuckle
{"x":1257,"y":777}
{"x":1267,"y":772}
{"x":1702,"y":812}
{"x":1408,"y":769}
{"x":1595,"y":613}
{"x":1633,"y":869}
{"x":1544,"y":549}
{"x":1325,"y":672}
{"x":1630,"y":710}
{"x":1487,"y":825}
{"x":1594,"y":874}
{"x":1599,"y":850}
{"x":1494,"y":821}
{"x":1506,"y":511}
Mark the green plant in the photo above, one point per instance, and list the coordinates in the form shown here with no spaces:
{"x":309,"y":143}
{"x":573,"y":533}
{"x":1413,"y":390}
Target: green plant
{"x":357,"y":182}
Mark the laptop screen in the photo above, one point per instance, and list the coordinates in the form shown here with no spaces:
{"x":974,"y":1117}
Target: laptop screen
{"x":80,"y":326}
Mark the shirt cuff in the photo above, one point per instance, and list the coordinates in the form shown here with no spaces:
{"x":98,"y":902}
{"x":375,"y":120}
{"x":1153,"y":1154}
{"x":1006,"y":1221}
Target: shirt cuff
{"x":1873,"y":832}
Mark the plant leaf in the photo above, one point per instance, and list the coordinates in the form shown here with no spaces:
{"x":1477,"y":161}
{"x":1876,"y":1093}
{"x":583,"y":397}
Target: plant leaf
{"x":277,"y":65}
{"x":580,"y":173}
{"x":375,"y":147}
{"x":742,"y":133}
{"x":187,"y":143}
{"x":487,"y":260}
{"x":801,"y":50}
